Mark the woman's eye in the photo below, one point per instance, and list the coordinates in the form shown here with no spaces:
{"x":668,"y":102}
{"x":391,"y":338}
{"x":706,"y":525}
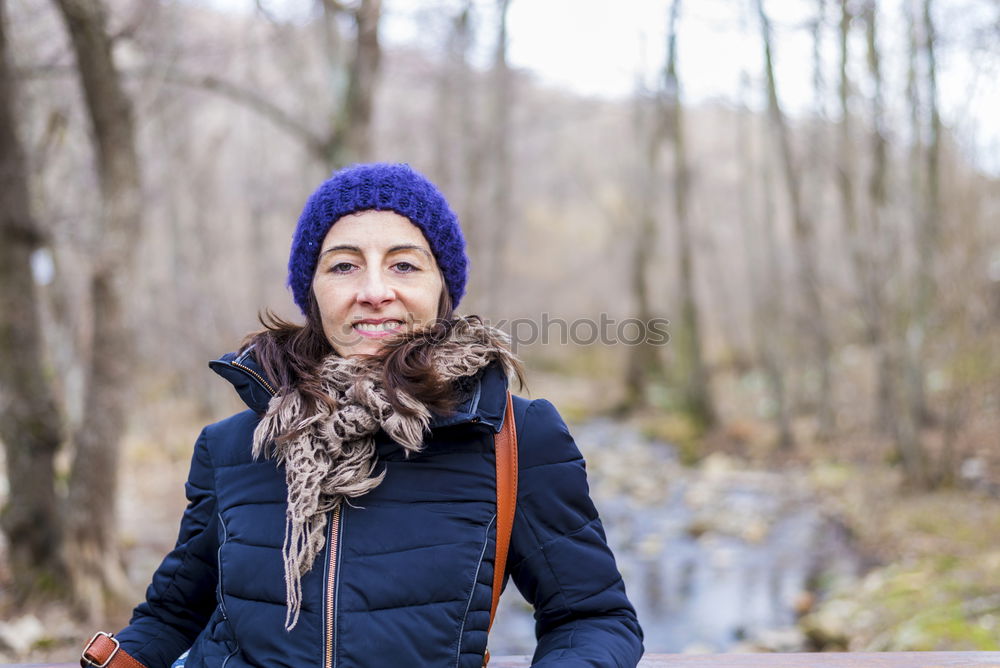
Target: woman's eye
{"x":405,"y":267}
{"x":341,"y":267}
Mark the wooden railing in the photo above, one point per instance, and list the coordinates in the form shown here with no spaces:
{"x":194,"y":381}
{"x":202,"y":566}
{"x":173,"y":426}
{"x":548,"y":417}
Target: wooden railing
{"x":826,"y":660}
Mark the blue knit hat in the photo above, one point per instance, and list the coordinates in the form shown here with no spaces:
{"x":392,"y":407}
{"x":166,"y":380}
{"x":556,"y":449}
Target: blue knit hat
{"x":382,"y":187}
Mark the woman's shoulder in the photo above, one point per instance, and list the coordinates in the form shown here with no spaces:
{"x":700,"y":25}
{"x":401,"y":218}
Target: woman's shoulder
{"x":536,"y":413}
{"x":230,"y":437}
{"x":237,"y":423}
{"x":542,"y":434}
{"x":552,"y":487}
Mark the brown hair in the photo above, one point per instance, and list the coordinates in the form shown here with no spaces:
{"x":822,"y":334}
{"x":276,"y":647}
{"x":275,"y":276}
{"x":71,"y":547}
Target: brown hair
{"x":291,"y":354}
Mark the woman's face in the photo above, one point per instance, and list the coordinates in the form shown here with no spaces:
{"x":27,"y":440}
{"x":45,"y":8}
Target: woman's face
{"x":376,"y":276}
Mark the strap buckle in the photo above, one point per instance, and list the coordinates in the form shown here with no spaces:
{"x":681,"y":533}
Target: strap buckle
{"x":93,"y":661}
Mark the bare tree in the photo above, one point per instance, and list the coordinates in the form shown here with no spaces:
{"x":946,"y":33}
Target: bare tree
{"x":91,"y":541}
{"x":866,"y":243}
{"x":500,"y":161}
{"x":347,"y":136}
{"x":872,"y":252}
{"x":926,"y":214}
{"x":29,"y":417}
{"x":349,"y":139}
{"x":694,"y":377}
{"x":451,"y":91}
{"x":845,"y":150}
{"x":643,"y":363}
{"x":471,"y":143}
{"x":765,"y":287}
{"x":763,"y":261}
{"x":816,"y":150}
{"x":804,"y":235}
{"x":463,"y":148}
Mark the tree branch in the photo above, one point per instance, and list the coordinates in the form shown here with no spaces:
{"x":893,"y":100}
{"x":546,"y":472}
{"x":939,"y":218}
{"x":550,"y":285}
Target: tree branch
{"x":253,"y":101}
{"x":314,"y":142}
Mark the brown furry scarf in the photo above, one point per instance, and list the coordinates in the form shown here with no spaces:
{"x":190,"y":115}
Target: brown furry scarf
{"x":329,"y":452}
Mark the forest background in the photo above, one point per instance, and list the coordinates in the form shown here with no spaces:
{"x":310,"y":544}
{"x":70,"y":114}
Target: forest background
{"x":817,"y":222}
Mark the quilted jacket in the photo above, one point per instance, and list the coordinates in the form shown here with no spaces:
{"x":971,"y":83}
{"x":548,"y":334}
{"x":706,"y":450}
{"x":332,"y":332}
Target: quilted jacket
{"x":406,"y":576}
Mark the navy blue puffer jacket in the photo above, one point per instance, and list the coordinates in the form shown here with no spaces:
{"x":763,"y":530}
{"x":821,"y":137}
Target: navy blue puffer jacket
{"x":406,"y":575}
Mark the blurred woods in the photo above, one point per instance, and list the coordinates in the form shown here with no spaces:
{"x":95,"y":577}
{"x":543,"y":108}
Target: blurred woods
{"x":832,"y":278}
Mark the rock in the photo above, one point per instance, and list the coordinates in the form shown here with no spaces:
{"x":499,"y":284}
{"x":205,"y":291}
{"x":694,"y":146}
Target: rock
{"x":755,"y":531}
{"x":973,"y":469}
{"x":803,"y":602}
{"x":790,"y":639}
{"x":698,"y":648}
{"x":832,"y":624}
{"x":744,"y":648}
{"x":20,"y":635}
{"x":651,"y":546}
{"x":718,"y":465}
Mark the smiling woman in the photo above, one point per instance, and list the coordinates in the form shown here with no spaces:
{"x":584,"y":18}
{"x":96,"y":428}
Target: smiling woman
{"x":376,"y":277}
{"x":361,"y":513}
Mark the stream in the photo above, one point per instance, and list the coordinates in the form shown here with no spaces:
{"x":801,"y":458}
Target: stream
{"x":714,"y":558}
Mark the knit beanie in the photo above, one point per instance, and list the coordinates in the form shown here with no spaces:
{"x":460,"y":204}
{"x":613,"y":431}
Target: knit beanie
{"x":382,"y":187}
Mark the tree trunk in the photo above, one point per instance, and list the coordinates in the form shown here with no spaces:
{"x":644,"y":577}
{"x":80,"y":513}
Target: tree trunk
{"x":29,"y":416}
{"x":451,"y":90}
{"x":765,"y":287}
{"x":471,"y":146}
{"x":926,"y":214}
{"x":91,"y":548}
{"x":352,"y":128}
{"x":695,"y":382}
{"x":866,"y":245}
{"x":845,"y":156}
{"x":817,"y":152}
{"x":500,"y":160}
{"x":769,"y":320}
{"x":805,"y":243}
{"x":876,"y":256}
{"x":643,"y":363}
{"x":859,"y":245}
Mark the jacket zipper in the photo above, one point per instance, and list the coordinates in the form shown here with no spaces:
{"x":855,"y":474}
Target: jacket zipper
{"x":331,"y":580}
{"x":222,"y":598}
{"x":218,"y":561}
{"x":267,"y":386}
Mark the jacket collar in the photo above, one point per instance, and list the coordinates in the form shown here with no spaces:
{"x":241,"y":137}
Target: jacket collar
{"x":485,"y":403}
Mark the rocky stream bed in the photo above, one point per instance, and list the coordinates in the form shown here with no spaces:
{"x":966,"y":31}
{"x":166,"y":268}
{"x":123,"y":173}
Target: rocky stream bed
{"x":715,"y":558}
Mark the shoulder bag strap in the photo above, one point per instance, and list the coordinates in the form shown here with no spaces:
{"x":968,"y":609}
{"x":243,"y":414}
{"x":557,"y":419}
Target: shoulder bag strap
{"x":506,"y":458}
{"x":103,"y":651}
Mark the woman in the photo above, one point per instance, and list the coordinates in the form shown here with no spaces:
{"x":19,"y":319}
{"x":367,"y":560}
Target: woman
{"x":347,"y":518}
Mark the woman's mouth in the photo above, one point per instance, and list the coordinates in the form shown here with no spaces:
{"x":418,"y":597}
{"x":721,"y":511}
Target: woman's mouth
{"x":378,"y":329}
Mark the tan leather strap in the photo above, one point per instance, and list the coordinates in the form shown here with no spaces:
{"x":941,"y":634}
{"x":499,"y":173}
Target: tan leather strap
{"x":103,"y":651}
{"x":506,"y":458}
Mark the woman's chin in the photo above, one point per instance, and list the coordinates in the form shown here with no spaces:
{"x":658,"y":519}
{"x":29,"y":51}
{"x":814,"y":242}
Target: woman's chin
{"x":360,"y":351}
{"x":367,"y":347}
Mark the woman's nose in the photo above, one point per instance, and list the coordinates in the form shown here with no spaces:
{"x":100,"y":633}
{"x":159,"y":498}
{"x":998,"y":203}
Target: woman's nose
{"x":375,"y":290}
